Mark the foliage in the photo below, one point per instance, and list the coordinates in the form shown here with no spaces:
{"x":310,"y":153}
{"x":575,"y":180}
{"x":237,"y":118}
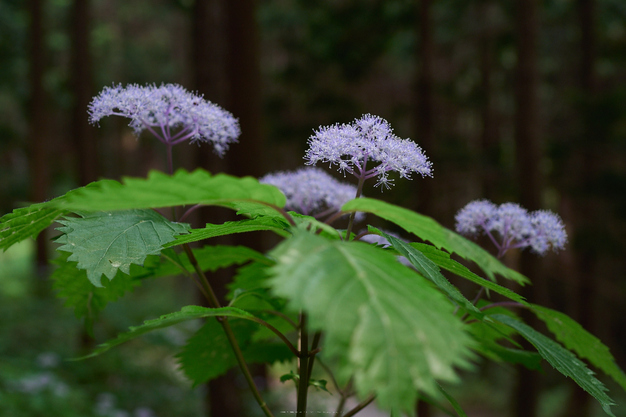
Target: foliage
{"x":104,"y":242}
{"x":390,"y":330}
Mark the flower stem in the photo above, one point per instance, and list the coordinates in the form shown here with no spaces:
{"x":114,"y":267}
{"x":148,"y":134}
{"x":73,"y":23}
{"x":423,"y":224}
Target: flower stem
{"x":359,"y":191}
{"x":303,"y":371}
{"x":360,"y":406}
{"x":214,"y":303}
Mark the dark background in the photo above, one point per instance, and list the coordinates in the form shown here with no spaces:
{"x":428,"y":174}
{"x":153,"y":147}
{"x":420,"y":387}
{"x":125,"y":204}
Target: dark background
{"x":520,"y":101}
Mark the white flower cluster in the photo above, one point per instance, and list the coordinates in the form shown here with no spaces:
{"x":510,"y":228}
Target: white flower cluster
{"x":540,"y":230}
{"x":169,"y":112}
{"x":370,"y":138}
{"x":311,"y":190}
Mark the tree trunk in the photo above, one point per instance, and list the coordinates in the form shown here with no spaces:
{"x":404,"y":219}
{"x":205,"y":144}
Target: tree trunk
{"x":528,"y":158}
{"x":489,"y":140}
{"x":244,"y":82}
{"x":424,"y":99}
{"x":85,"y":149}
{"x":226,"y":70}
{"x":424,"y":117}
{"x":582,"y":309}
{"x":38,"y":133}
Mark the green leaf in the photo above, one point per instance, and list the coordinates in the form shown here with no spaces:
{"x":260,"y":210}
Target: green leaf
{"x":576,"y":338}
{"x":443,"y":260}
{"x":383,"y":323}
{"x":428,"y":229}
{"x":208,"y":353}
{"x":488,"y":333}
{"x":562,"y":360}
{"x":229,"y":228}
{"x":105,"y":242}
{"x":80,"y":294}
{"x":29,"y":221}
{"x":454,"y":403}
{"x":182,"y":188}
{"x":430,"y":270}
{"x":26,"y":222}
{"x":185,"y":314}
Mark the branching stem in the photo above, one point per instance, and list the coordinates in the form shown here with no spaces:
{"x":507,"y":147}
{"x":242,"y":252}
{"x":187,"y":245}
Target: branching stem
{"x":214,"y":303}
{"x":360,"y":406}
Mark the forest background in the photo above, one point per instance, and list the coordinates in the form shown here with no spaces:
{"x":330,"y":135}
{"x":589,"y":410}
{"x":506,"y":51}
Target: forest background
{"x":520,"y":101}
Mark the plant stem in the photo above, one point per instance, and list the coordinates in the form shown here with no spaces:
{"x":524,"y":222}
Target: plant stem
{"x":314,"y":345}
{"x":345,"y":394}
{"x":214,"y":303}
{"x":277,"y":333}
{"x":170,"y":158}
{"x":303,"y":380}
{"x":360,"y":406}
{"x":359,"y":191}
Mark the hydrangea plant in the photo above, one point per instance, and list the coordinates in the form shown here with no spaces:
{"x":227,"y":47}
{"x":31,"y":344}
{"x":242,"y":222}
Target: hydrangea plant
{"x":324,"y":298}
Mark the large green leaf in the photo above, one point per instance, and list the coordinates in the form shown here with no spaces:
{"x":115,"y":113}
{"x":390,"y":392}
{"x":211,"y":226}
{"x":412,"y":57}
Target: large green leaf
{"x":208,"y":353}
{"x":185,"y":314}
{"x":574,"y":337}
{"x":105,"y":242}
{"x":270,"y":222}
{"x":430,"y":270}
{"x":443,"y":260}
{"x":182,"y":188}
{"x":562,"y":360}
{"x":29,"y":221}
{"x":241,"y":226}
{"x":384,"y":324}
{"x":428,"y":229}
{"x":26,"y":222}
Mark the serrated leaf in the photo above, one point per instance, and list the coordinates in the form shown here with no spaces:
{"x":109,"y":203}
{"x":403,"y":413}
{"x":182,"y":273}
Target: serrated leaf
{"x":430,"y":270}
{"x":208,"y":353}
{"x":384,"y":324}
{"x":443,"y":260}
{"x":80,"y":294}
{"x":454,"y":403}
{"x":241,"y":226}
{"x":182,"y":188}
{"x":185,"y":314}
{"x":428,"y":229}
{"x":576,"y":338}
{"x":562,"y":360}
{"x":489,"y":333}
{"x":105,"y":242}
{"x":26,"y":222}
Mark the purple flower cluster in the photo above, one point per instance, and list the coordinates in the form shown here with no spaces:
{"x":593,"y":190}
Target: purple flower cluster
{"x":540,"y":230}
{"x":370,"y":138}
{"x":169,"y":112}
{"x":311,"y":190}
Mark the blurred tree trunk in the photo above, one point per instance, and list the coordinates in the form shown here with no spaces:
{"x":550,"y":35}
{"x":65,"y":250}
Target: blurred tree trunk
{"x":585,"y":213}
{"x":85,"y":148}
{"x":424,"y":99}
{"x":528,"y":159}
{"x":38,"y":134}
{"x":244,"y":83}
{"x":489,"y":141}
{"x":226,"y":70}
{"x":424,"y":117}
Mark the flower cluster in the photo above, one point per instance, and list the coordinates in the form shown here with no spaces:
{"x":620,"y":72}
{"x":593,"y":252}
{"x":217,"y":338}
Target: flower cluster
{"x":540,"y":230}
{"x":311,"y":190}
{"x":169,"y":112}
{"x":370,"y":138}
